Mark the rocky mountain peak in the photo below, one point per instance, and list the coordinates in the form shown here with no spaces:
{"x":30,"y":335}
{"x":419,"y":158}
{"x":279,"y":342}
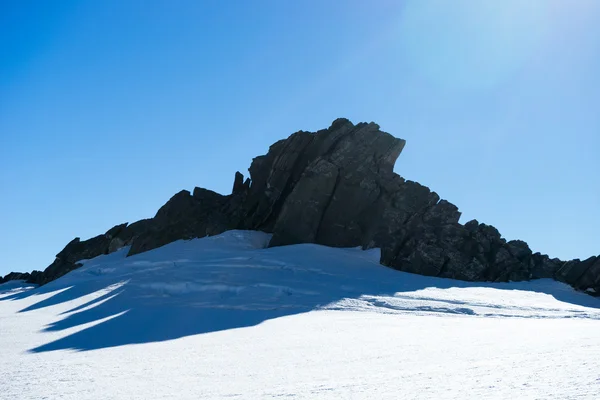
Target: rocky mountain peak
{"x":336,"y":187}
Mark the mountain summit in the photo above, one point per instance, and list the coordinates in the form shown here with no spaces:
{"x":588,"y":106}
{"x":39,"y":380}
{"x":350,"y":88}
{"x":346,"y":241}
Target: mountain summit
{"x":336,"y":187}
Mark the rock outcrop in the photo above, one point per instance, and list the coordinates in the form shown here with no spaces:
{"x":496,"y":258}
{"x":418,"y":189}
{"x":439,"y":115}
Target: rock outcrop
{"x":337,"y":187}
{"x":17,"y":276}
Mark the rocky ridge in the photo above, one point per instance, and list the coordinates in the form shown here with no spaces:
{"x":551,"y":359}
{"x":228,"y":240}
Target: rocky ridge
{"x":336,"y":187}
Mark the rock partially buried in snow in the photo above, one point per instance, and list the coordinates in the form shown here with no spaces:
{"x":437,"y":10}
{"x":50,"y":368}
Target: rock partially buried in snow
{"x":337,"y":187}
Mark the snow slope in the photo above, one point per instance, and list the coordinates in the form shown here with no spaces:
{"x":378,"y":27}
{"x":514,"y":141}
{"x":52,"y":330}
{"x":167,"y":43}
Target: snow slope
{"x":223,"y":317}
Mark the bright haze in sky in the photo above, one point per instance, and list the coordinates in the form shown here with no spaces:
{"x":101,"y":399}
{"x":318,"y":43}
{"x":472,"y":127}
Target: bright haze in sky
{"x":108,"y":108}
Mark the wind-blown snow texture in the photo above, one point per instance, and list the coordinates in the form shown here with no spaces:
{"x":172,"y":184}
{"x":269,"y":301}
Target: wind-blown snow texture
{"x":223,"y":317}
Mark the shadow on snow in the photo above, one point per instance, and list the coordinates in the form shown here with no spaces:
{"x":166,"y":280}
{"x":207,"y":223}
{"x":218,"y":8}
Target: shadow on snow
{"x":151,"y":298}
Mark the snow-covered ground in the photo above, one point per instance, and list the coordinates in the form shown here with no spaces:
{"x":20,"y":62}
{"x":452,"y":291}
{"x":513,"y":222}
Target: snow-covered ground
{"x":223,"y":317}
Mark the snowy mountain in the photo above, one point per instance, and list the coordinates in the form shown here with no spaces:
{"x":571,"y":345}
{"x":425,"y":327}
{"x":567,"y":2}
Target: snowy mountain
{"x":336,"y":187}
{"x":226,"y":317}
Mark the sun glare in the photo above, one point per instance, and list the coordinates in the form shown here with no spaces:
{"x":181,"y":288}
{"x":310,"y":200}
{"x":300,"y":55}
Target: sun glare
{"x":472,"y":45}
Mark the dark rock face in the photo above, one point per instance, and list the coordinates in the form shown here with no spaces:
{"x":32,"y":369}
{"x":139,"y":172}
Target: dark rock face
{"x":322,"y":187}
{"x":185,"y":216}
{"x":76,"y":250}
{"x":15,"y":276}
{"x":337,"y":187}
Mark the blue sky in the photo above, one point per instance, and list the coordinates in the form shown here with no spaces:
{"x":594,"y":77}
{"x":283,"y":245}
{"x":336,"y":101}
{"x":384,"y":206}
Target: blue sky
{"x":107,"y":108}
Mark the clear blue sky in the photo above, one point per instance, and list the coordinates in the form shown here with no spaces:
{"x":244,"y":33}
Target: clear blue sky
{"x":107,"y":108}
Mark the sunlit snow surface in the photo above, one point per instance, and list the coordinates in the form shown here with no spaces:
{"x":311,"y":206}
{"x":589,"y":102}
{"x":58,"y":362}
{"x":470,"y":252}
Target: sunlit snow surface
{"x":223,"y":318}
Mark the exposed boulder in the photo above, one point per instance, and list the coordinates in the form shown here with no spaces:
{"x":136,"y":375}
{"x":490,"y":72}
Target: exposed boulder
{"x":322,"y":187}
{"x":15,"y":276}
{"x":590,"y":280}
{"x":572,"y":272}
{"x":75,"y":251}
{"x":184,"y":216}
{"x":337,"y":187}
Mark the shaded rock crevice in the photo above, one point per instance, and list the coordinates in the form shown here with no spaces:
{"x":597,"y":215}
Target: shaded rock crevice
{"x":337,"y":187}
